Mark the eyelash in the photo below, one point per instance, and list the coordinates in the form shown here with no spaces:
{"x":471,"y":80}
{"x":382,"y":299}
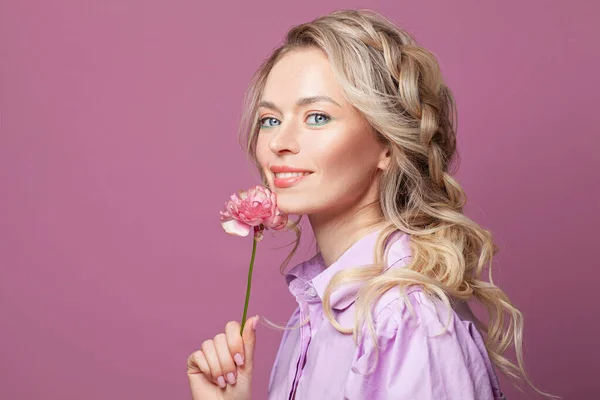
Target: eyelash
{"x":328,"y":118}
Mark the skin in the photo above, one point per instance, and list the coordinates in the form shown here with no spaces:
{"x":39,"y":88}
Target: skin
{"x":337,"y":144}
{"x":334,"y":141}
{"x":214,"y":373}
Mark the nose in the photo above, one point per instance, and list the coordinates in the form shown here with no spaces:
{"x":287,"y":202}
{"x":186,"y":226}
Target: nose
{"x":284,"y":140}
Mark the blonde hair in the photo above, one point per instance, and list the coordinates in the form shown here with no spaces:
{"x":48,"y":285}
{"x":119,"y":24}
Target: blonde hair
{"x":397,"y":86}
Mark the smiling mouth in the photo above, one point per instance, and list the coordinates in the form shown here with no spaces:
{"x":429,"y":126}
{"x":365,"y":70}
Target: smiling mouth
{"x":284,"y":175}
{"x":288,"y":179}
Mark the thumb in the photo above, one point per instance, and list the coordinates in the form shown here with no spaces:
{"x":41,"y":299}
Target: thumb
{"x":249,"y":339}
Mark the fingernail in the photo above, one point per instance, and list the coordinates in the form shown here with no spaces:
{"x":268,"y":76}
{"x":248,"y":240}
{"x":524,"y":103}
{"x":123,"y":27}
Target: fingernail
{"x":231,"y":378}
{"x":221,"y":382}
{"x":254,"y":322}
{"x":239,"y":360}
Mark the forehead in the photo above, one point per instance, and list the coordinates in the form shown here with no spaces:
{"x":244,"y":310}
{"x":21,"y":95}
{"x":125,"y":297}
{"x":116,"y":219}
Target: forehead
{"x":301,"y":73}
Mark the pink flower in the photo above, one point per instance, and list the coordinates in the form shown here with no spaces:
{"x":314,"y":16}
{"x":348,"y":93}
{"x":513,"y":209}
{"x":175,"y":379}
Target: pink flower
{"x":256,"y":207}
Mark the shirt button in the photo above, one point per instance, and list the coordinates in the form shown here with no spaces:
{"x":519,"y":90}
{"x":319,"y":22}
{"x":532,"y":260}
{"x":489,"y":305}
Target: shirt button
{"x":311,"y":292}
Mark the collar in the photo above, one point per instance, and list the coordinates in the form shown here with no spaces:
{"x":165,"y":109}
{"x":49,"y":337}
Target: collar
{"x":315,"y":273}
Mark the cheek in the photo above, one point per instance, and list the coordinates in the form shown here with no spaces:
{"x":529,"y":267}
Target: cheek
{"x":347,"y":156}
{"x":262,"y":152}
{"x":348,"y":168}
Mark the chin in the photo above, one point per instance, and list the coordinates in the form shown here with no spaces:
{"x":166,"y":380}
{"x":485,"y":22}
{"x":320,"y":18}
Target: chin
{"x":291,"y":204}
{"x":289,"y":208}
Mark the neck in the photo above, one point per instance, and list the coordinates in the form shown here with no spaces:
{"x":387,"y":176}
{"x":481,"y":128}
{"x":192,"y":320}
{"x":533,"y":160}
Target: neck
{"x":335,"y":233}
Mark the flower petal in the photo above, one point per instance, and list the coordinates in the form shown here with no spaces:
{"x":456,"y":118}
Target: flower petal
{"x":235,"y":227}
{"x":276,"y":222}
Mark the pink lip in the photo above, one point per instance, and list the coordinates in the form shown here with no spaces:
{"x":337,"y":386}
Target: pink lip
{"x":288,"y":182}
{"x":286,"y":168}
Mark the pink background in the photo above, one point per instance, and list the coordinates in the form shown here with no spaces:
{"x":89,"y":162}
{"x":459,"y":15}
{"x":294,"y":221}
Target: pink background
{"x":118,"y":147}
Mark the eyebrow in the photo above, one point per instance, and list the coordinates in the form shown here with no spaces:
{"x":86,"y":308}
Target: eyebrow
{"x":301,"y":102}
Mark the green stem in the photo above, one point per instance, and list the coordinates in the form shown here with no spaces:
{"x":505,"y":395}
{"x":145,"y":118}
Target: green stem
{"x":249,"y":284}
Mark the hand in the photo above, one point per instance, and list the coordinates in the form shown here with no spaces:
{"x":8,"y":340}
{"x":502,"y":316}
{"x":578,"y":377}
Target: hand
{"x":222,"y":368}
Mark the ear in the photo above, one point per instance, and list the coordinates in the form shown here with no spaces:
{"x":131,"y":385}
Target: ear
{"x":385,"y":158}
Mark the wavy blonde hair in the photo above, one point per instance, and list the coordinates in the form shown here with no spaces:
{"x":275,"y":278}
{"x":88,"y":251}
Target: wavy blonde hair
{"x":397,"y":86}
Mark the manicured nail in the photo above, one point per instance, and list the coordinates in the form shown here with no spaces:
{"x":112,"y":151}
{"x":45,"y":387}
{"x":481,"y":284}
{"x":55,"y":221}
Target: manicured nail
{"x":221,"y":382}
{"x":231,"y":378}
{"x":254,"y":322}
{"x":239,"y":360}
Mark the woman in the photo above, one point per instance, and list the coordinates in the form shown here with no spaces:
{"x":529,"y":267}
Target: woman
{"x":350,"y":123}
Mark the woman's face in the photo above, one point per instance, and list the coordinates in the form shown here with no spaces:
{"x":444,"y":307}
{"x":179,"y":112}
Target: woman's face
{"x":306,"y":124}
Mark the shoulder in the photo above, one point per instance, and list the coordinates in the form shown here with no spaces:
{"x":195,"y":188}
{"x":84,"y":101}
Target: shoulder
{"x":426,"y":350}
{"x":415,"y":311}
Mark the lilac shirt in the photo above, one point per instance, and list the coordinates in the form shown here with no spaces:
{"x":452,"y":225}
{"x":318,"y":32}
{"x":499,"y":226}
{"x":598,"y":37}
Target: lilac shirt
{"x":318,"y":362}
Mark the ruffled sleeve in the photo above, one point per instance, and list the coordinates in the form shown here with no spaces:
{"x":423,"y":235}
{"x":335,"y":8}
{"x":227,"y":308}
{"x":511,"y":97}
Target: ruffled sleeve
{"x":413,"y":364}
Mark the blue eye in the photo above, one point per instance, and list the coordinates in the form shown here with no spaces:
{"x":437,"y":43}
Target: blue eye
{"x":319,"y":118}
{"x":270,"y":119}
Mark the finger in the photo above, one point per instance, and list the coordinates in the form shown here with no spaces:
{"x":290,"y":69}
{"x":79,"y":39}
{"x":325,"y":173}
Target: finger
{"x":227,"y":364}
{"x":234,"y":342}
{"x":197,"y":364}
{"x":199,"y":380}
{"x":208,"y":348}
{"x":249,"y":339}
